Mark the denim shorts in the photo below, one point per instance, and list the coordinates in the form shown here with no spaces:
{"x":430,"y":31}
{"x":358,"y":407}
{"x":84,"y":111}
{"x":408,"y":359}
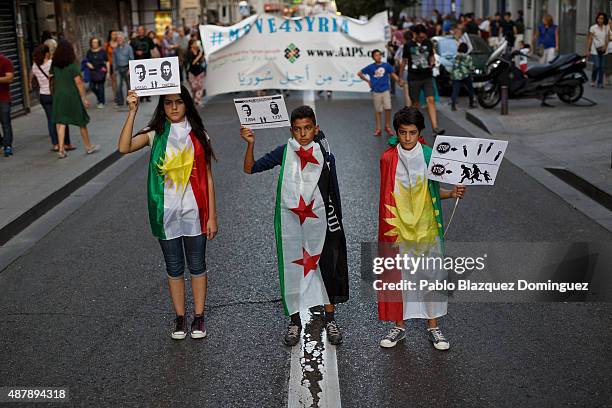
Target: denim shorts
{"x":177,"y":249}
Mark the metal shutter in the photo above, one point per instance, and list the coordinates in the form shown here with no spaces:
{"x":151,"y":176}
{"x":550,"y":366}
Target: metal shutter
{"x":8,"y":47}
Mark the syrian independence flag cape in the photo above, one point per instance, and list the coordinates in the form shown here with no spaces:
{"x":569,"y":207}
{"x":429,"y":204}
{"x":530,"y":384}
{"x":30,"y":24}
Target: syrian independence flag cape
{"x":177,"y":184}
{"x":310,"y":240}
{"x":410,"y":221}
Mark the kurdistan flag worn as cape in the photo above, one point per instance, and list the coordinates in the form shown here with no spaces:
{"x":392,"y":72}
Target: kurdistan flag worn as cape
{"x":410,"y":222}
{"x":177,"y":183}
{"x":310,"y":241}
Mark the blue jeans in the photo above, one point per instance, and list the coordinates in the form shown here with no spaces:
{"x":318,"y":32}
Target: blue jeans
{"x":599,"y":65}
{"x":457,"y":87}
{"x":195,"y":252}
{"x":123,"y":75}
{"x":47,"y":103}
{"x":5,"y":119}
{"x":98,"y":90}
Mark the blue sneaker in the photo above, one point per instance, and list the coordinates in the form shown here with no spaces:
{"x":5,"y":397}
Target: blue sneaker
{"x":8,"y":151}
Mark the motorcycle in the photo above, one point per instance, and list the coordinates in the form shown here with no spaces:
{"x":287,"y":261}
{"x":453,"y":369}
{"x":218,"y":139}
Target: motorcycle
{"x":563,"y":76}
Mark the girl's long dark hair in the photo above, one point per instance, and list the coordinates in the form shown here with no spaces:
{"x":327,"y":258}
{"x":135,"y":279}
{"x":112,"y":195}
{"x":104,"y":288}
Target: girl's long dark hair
{"x":158,"y":121}
{"x":64,"y":54}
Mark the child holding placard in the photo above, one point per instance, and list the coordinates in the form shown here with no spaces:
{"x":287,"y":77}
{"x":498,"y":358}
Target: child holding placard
{"x":181,"y":196}
{"x":411,"y":220}
{"x":310,"y":241}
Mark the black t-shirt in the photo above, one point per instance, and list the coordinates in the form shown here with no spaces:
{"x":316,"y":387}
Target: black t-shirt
{"x":144,"y":44}
{"x":508,"y":31}
{"x":417,"y":56}
{"x":472,"y":28}
{"x":197,"y":68}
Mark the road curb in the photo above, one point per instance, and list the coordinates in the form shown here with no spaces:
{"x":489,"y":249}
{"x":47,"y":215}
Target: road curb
{"x":476,"y":121}
{"x":42,"y":207}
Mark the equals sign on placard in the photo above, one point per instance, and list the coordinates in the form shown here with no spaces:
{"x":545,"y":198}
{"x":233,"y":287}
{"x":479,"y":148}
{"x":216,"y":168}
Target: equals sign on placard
{"x":262,"y":119}
{"x":152,"y":72}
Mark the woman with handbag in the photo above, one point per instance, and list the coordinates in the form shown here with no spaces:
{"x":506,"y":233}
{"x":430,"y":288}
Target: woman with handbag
{"x":97,"y":62}
{"x":69,"y":99}
{"x":197,"y":70}
{"x":597,"y":48}
{"x":39,"y":75}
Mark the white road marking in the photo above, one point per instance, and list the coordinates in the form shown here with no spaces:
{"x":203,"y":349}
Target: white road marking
{"x":313,"y":358}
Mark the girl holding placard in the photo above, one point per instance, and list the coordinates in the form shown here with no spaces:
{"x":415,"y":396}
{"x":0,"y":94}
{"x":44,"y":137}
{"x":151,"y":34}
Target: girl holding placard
{"x":181,"y":196}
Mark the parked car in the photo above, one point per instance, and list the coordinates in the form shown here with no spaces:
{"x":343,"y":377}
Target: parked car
{"x":446,"y":49}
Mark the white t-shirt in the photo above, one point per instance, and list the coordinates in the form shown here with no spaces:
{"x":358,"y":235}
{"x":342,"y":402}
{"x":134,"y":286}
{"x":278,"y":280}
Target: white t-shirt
{"x":600,"y":37}
{"x":484,"y":26}
{"x":41,"y":78}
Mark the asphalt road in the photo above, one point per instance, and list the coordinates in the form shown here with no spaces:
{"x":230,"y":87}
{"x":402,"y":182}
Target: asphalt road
{"x":87,"y":307}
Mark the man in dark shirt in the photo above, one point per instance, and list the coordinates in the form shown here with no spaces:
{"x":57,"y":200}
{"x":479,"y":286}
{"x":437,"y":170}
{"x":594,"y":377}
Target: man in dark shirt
{"x":418,"y":54}
{"x":142,"y":46}
{"x":6,"y":77}
{"x":508,"y":29}
{"x":470,"y":26}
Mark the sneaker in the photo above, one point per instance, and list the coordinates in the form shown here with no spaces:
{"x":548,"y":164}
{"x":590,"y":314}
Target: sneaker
{"x":333,"y":333}
{"x":438,"y":131}
{"x":100,"y":106}
{"x":292,"y":337}
{"x":8,"y":151}
{"x":180,"y":328}
{"x":395,"y":334}
{"x":437,"y":338}
{"x":92,"y":148}
{"x":198,"y":331}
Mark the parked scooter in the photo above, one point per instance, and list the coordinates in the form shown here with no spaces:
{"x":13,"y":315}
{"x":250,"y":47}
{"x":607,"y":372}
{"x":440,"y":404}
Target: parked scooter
{"x":563,"y":76}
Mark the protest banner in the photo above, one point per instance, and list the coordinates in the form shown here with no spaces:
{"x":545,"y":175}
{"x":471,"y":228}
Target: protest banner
{"x":466,"y":160}
{"x":321,"y":52}
{"x":155,"y":76}
{"x":262,"y":112}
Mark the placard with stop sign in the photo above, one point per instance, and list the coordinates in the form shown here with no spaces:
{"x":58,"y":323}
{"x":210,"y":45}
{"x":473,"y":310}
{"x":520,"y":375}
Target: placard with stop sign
{"x":466,"y":160}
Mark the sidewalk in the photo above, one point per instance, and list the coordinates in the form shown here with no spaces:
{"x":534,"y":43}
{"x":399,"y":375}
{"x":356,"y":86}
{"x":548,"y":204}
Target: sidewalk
{"x":34,"y":180}
{"x":572,"y":141}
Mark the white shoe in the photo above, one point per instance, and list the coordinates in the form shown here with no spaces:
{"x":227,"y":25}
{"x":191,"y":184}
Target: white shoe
{"x":437,"y":339}
{"x":393,"y":337}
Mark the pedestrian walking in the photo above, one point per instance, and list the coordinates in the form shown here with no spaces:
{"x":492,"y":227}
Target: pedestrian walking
{"x":157,"y":51}
{"x":69,"y":99}
{"x":169,"y":45}
{"x":41,"y":72}
{"x":6,"y":77}
{"x":111,"y":44}
{"x":508,"y":29}
{"x":461,"y":75}
{"x":494,"y":31}
{"x":142,"y":46}
{"x":122,"y":55}
{"x":311,"y":246}
{"x":420,"y":60}
{"x":378,"y":75}
{"x":97,"y":62}
{"x":197,"y":70}
{"x":520,"y":29}
{"x":181,"y":196}
{"x":546,"y":38}
{"x":404,"y":192}
{"x":597,"y":48}
{"x":183,"y":47}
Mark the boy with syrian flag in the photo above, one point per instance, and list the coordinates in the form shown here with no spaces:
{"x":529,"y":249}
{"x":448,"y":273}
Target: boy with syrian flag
{"x":310,"y":241}
{"x":410,"y":222}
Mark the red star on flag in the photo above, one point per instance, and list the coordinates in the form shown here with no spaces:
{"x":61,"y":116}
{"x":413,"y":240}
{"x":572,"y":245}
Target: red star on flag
{"x":308,"y":262}
{"x":304,"y":211}
{"x":306,"y":156}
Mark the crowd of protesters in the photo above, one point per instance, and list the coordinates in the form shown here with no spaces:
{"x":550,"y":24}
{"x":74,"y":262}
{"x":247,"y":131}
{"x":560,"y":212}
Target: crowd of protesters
{"x":61,"y":80}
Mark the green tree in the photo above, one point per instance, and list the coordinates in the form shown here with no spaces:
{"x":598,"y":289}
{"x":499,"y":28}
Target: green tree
{"x":356,"y":8}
